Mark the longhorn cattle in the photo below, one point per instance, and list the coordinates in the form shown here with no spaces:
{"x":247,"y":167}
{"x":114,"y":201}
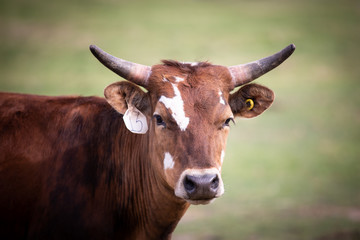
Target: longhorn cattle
{"x":127,"y":166}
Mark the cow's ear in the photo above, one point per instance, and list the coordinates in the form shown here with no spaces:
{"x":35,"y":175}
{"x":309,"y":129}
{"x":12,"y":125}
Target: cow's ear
{"x":122,"y":95}
{"x":251,"y":100}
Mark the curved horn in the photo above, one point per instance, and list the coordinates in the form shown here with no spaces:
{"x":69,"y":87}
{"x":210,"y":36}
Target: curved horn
{"x":245,"y":73}
{"x":133,"y":72}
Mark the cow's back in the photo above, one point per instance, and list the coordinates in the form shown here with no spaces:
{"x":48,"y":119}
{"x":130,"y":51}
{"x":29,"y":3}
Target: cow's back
{"x":32,"y":127}
{"x":49,"y":161}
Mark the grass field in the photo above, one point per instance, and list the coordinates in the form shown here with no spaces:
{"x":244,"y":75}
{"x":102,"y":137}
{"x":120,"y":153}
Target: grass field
{"x":293,"y":172}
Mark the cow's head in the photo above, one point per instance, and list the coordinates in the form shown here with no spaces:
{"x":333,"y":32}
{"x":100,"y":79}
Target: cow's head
{"x":188,"y":109}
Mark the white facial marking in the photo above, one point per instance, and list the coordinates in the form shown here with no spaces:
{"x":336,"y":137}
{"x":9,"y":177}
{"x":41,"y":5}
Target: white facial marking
{"x":168,"y":161}
{"x":222,"y":156}
{"x":222,"y":159}
{"x":176,"y":105}
{"x":191,"y":63}
{"x":179,"y":79}
{"x":221,"y":98}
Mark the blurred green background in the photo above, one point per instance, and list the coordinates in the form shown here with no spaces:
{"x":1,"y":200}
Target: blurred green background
{"x":293,"y":172}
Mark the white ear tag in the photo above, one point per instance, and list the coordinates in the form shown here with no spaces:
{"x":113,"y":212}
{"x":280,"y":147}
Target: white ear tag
{"x":135,"y":120}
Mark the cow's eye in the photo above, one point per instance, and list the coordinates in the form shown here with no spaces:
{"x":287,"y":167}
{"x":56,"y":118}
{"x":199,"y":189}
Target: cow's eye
{"x":227,"y":122}
{"x":159,"y":120}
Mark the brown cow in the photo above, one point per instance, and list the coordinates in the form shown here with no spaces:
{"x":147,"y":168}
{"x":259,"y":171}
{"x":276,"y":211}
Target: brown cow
{"x":71,"y":169}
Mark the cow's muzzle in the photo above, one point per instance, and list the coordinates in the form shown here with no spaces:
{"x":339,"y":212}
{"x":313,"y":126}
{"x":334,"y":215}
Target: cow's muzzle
{"x":199,"y":186}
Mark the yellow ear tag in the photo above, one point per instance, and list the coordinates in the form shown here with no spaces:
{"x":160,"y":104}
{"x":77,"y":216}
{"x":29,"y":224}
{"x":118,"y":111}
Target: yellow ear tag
{"x":249,"y":103}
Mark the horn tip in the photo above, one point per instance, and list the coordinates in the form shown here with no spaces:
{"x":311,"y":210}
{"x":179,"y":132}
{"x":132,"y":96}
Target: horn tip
{"x":92,"y":48}
{"x":292,"y":47}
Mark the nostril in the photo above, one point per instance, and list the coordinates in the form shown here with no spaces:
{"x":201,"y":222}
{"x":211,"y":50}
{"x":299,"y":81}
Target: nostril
{"x":214,"y":183}
{"x":189,"y":184}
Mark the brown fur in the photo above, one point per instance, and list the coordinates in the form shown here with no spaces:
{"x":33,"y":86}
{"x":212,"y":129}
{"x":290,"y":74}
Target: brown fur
{"x":69,"y":169}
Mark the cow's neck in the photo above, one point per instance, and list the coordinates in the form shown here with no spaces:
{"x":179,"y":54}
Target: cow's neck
{"x":145,"y":200}
{"x":165,"y":209}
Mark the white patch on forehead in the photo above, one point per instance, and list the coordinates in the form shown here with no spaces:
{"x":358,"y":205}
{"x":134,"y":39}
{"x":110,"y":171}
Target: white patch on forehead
{"x":191,"y":63}
{"x":168,"y":161}
{"x":222,"y":101}
{"x":176,"y":105}
{"x":179,"y":79}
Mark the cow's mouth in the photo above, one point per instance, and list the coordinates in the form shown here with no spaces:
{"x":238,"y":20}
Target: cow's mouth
{"x":200,"y":201}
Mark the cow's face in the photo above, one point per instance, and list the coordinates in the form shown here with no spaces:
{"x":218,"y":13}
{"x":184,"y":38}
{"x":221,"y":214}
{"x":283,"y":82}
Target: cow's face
{"x":187,"y":113}
{"x":191,"y":119}
{"x":189,"y":110}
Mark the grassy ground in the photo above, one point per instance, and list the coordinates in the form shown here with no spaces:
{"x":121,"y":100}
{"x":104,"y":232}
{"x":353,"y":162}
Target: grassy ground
{"x":293,"y":172}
